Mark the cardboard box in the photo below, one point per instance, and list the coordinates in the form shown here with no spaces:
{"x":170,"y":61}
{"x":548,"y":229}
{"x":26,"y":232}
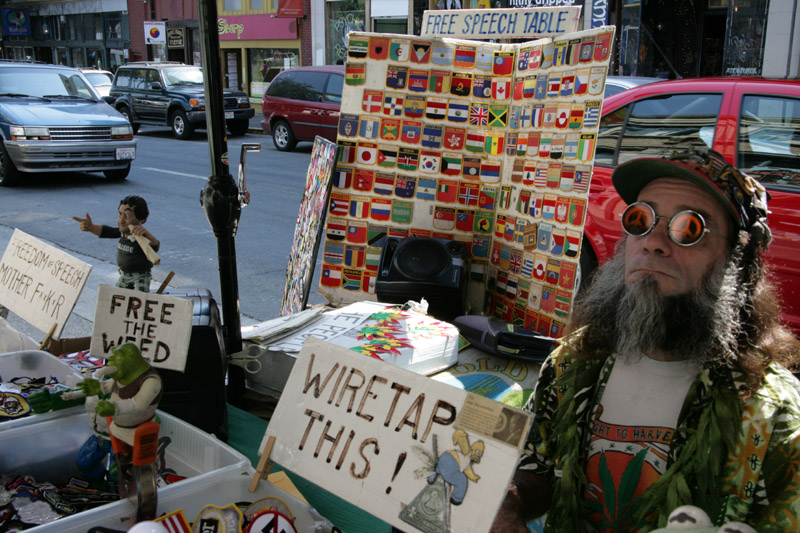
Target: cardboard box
{"x":60,"y":346}
{"x":402,"y":338}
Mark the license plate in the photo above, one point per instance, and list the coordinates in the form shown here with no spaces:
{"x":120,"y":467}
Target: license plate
{"x":126,"y":153}
{"x":228,"y":114}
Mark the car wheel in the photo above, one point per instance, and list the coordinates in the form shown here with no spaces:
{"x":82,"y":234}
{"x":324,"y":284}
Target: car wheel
{"x":125,"y":112}
{"x":9,"y":175}
{"x":181,"y":127}
{"x":118,"y":173}
{"x":238,"y":127}
{"x":282,"y":136}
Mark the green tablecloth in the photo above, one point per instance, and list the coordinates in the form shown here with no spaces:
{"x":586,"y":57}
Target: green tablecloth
{"x":245,"y":432}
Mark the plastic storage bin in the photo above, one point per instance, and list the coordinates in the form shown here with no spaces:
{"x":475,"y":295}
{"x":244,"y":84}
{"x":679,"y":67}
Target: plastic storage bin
{"x":47,"y":452}
{"x":230,"y":487}
{"x":37,"y":364}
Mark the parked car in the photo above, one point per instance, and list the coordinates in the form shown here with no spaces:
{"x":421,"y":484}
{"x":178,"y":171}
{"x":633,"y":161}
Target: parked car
{"x":617,"y":84}
{"x":172,"y":94}
{"x":100,"y":79}
{"x":52,"y":120}
{"x":301,"y":103}
{"x":754,"y":123}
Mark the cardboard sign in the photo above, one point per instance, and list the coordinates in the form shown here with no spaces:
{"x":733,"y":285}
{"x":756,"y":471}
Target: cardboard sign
{"x":500,"y":23}
{"x":418,"y":454}
{"x":159,"y":325}
{"x":39,"y":282}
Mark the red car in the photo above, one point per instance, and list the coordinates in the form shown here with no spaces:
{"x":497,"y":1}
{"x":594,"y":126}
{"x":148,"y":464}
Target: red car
{"x":301,"y":103}
{"x":753,"y":122}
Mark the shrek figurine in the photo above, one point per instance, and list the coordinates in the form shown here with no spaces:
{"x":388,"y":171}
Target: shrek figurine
{"x":135,"y":390}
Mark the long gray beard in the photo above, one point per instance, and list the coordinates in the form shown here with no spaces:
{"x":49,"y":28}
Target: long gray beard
{"x":701,"y":325}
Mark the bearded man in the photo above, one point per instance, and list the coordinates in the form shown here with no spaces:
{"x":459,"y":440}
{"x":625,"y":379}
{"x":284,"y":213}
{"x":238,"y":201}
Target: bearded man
{"x":671,"y":386}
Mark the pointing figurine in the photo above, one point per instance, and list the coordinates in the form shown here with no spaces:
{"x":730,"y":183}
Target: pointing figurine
{"x":137,"y":247}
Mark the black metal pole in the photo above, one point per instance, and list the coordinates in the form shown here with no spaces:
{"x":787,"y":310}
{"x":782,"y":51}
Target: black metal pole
{"x":220,"y":197}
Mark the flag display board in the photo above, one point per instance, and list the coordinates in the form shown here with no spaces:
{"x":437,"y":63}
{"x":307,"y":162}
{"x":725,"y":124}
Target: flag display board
{"x":307,"y":229}
{"x":489,"y":144}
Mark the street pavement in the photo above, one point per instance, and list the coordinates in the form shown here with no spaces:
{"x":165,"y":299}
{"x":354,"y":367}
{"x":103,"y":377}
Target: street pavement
{"x":255,"y":122}
{"x":80,"y":321}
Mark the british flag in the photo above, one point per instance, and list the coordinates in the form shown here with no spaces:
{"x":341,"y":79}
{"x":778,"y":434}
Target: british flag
{"x":478,"y":115}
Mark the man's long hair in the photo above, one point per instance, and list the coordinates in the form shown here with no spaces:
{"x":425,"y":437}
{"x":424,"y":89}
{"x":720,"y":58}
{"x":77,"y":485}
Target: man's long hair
{"x":733,"y":318}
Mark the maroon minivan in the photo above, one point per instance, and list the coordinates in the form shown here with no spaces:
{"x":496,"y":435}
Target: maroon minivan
{"x":301,"y":103}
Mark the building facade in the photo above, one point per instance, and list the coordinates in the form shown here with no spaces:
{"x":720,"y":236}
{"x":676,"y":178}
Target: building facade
{"x":79,"y":33}
{"x":666,"y":38}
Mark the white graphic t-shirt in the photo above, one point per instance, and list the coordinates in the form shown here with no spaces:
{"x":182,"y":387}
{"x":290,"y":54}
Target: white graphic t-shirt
{"x":631,"y":435}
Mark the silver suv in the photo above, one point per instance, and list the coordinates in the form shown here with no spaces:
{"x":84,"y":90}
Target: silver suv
{"x":53,"y":120}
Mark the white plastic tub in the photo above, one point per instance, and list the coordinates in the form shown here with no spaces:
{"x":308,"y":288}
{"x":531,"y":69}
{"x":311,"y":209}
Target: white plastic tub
{"x":47,"y":451}
{"x":230,"y":487}
{"x":37,"y":364}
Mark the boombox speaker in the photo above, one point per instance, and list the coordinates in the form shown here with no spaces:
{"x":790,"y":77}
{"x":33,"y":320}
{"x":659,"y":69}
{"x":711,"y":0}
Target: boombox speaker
{"x":435,"y":269}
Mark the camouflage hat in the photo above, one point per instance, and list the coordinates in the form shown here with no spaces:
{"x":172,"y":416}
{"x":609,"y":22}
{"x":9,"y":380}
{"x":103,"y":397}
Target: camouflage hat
{"x":742,"y":196}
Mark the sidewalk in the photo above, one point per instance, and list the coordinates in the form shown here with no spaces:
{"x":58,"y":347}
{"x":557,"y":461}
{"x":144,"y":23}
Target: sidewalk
{"x":255,"y":122}
{"x":81,"y":320}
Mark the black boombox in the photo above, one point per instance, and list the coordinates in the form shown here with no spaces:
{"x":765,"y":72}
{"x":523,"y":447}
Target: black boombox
{"x":413,"y":268}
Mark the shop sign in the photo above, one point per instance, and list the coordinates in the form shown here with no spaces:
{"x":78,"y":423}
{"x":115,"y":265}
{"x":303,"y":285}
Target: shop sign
{"x":246,"y":27}
{"x":159,"y":325}
{"x":500,"y":23}
{"x":544,"y":3}
{"x":155,"y":32}
{"x":17,"y":22}
{"x":395,"y":443}
{"x":176,"y":37}
{"x":40,"y":283}
{"x":290,"y":8}
{"x":599,"y":13}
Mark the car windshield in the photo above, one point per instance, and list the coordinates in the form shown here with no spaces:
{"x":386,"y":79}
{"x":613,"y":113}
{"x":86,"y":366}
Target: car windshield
{"x":98,"y":78}
{"x":44,"y":83}
{"x":183,"y":76}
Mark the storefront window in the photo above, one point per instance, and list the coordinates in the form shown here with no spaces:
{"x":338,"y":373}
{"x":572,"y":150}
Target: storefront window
{"x":744,"y":42}
{"x":343,"y":16}
{"x":61,"y":56}
{"x":265,"y":63}
{"x":233,"y":5}
{"x":114,"y":25}
{"x":631,"y":22}
{"x":98,"y":27}
{"x":77,"y":58}
{"x":96,"y":58}
{"x":390,"y":25}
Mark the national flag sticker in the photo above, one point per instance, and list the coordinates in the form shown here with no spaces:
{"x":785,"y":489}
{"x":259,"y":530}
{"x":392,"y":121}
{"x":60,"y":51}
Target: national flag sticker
{"x":399,"y":49}
{"x":465,"y":55}
{"x":420,"y":52}
{"x":372,"y":101}
{"x":453,"y":138}
{"x":503,"y":64}
{"x":355,"y":73}
{"x":358,"y":48}
{"x":378,"y":47}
